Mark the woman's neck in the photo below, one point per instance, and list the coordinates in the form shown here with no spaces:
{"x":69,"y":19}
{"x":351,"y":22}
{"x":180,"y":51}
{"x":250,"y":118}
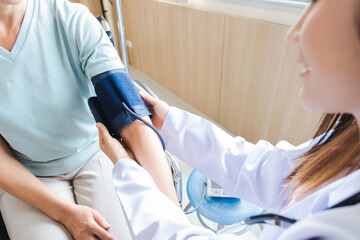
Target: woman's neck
{"x":11,"y":17}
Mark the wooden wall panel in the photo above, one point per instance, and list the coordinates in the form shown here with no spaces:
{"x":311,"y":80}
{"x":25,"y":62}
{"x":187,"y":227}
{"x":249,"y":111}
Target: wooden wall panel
{"x":174,"y":45}
{"x":260,"y":84}
{"x":238,"y":71}
{"x":189,"y":50}
{"x":140,"y":30}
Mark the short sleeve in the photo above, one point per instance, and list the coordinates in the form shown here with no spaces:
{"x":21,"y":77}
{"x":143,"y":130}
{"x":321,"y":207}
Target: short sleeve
{"x":87,"y":40}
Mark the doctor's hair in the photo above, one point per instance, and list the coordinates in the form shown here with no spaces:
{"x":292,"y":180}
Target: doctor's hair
{"x":335,"y":153}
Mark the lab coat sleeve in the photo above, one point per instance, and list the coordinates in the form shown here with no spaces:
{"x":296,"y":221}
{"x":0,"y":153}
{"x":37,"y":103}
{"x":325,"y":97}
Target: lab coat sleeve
{"x":334,"y":224}
{"x":250,"y":171}
{"x":150,"y":214}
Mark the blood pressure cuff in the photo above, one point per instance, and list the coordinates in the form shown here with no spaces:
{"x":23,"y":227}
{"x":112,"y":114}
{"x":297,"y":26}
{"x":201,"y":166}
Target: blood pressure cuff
{"x":114,"y":89}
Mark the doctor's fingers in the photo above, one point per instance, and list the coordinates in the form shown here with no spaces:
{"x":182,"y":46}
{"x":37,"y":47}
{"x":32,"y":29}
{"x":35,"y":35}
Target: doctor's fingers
{"x":148,"y":99}
{"x":127,"y":150}
{"x":156,"y":106}
{"x":111,"y":146}
{"x":105,"y":139}
{"x":104,"y":134}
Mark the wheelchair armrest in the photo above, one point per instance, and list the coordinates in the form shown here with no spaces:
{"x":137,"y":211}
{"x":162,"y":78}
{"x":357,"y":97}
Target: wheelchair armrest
{"x":176,"y":174}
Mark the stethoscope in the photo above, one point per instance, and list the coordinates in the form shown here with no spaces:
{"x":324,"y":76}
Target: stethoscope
{"x":280,"y":220}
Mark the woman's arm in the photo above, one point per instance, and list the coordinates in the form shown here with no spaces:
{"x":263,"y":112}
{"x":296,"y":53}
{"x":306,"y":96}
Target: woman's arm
{"x":97,"y":56}
{"x":82,"y":222}
{"x":145,"y":144}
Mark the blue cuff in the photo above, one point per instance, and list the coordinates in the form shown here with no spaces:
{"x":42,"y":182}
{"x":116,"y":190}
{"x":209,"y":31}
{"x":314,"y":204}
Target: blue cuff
{"x":114,"y":88}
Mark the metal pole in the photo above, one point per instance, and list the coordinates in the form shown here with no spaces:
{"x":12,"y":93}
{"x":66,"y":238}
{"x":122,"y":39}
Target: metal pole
{"x":120,"y":22}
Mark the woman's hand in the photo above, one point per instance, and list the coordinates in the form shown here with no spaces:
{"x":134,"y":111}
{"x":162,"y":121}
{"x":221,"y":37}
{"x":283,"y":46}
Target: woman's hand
{"x":82,"y":222}
{"x":111,"y":146}
{"x":158,"y":108}
{"x":85,"y":223}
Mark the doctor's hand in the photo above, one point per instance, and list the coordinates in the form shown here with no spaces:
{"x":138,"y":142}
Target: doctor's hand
{"x":111,"y":146}
{"x":158,"y":108}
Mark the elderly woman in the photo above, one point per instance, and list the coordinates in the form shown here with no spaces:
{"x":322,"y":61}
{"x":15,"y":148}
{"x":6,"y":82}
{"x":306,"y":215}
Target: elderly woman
{"x":55,"y":182}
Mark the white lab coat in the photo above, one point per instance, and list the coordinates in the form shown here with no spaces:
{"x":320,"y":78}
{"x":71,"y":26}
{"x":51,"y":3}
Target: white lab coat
{"x":250,"y":171}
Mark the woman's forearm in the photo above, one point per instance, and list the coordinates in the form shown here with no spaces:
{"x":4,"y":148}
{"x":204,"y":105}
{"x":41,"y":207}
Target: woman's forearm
{"x":82,"y":222}
{"x":147,"y":148}
{"x":18,"y":181}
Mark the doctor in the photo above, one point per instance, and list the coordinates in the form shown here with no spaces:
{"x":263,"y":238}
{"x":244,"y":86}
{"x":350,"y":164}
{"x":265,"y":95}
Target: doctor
{"x":301,"y":182}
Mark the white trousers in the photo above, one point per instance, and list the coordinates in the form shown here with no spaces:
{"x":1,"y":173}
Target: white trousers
{"x":90,"y":185}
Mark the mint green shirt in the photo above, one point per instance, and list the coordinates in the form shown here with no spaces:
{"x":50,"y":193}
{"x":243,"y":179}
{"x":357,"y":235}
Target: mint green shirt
{"x":45,"y":84}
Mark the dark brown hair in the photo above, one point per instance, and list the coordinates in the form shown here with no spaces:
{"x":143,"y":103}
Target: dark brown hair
{"x":336,"y":151}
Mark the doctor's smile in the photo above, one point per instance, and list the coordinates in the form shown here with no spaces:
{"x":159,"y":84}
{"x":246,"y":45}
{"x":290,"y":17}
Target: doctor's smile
{"x":305,"y":70}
